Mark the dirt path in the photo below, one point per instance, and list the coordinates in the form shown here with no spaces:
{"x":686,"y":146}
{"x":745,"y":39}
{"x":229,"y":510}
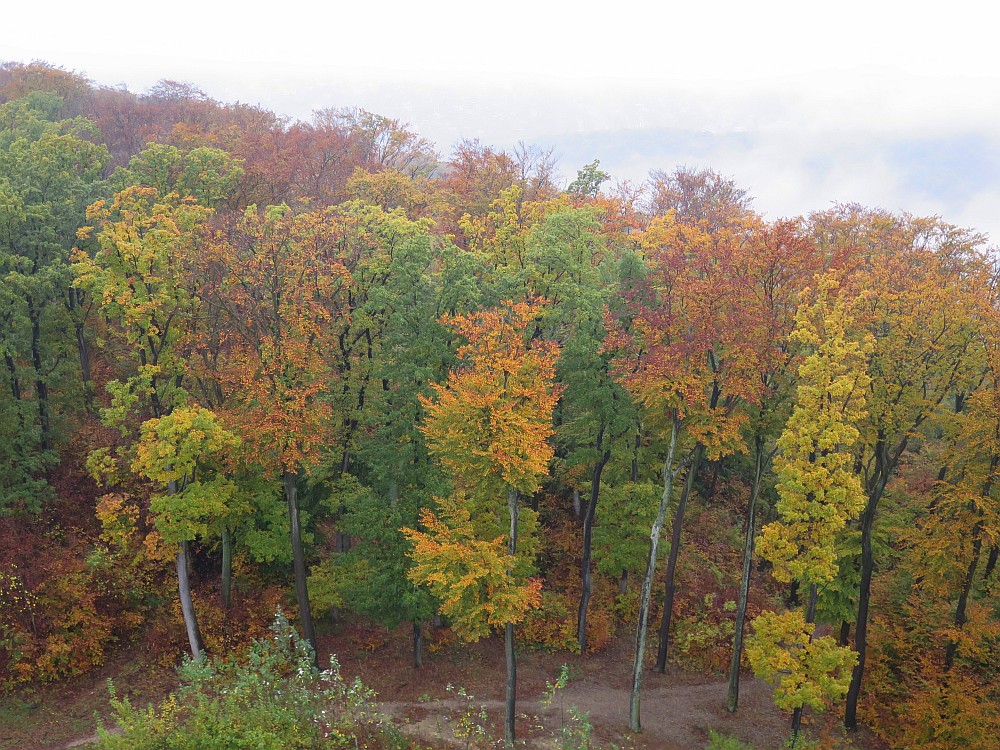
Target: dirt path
{"x":674,"y":716}
{"x":678,"y":708}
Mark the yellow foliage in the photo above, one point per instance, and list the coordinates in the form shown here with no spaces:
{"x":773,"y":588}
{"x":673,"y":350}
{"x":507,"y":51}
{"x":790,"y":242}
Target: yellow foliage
{"x":806,"y":671}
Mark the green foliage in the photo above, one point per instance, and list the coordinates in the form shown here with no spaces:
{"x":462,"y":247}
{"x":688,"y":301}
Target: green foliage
{"x":574,"y":734}
{"x":208,"y":175}
{"x":184,"y":451}
{"x":621,"y":538}
{"x":718,"y":741}
{"x":274,"y":699}
{"x":49,"y":172}
{"x":588,"y":180}
{"x":373,"y":575}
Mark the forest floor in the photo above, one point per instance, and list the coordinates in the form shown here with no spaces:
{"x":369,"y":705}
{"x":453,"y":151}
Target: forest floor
{"x":678,"y":708}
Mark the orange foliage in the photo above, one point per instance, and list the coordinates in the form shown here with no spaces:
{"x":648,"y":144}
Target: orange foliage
{"x":490,"y":422}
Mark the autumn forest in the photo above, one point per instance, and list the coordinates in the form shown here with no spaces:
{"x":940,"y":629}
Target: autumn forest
{"x":261,"y":378}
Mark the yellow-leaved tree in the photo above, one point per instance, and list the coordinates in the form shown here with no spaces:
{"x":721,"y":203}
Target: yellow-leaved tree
{"x":818,"y":493}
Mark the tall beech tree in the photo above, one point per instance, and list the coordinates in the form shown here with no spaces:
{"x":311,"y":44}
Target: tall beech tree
{"x":281,"y":282}
{"x":818,"y":489}
{"x":489,"y":425}
{"x":409,"y":350}
{"x":780,"y":260}
{"x":920,"y":279}
{"x":183,"y":451}
{"x":142,"y":276}
{"x":683,"y":357}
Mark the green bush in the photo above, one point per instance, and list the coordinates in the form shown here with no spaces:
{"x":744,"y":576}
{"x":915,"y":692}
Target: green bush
{"x":274,"y":699}
{"x":718,"y":741}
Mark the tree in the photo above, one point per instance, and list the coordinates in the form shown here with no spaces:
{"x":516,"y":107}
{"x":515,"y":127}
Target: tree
{"x":50,"y":170}
{"x":919,"y":278}
{"x":182,"y":451}
{"x":589,"y":179}
{"x":779,"y":261}
{"x":281,"y":283}
{"x":686,"y":353}
{"x":142,"y":275}
{"x":489,"y":425}
{"x":818,"y":489}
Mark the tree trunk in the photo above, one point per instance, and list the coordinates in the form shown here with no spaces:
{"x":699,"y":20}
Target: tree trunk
{"x":623,"y":583}
{"x":187,"y":605}
{"x":508,"y":634}
{"x":961,"y":617}
{"x":845,"y":634}
{"x":669,"y":473}
{"x":991,"y":563}
{"x":184,"y":592}
{"x":675,"y":548}
{"x":733,"y":697}
{"x":797,"y":713}
{"x":227,"y":567}
{"x":299,"y":561}
{"x":418,"y":645}
{"x":15,"y":383}
{"x":883,"y":468}
{"x":792,"y":598}
{"x":41,"y":387}
{"x":84,"y":352}
{"x":588,"y":534}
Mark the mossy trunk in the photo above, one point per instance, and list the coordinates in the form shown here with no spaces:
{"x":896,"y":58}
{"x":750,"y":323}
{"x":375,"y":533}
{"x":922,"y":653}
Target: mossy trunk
{"x":669,"y":474}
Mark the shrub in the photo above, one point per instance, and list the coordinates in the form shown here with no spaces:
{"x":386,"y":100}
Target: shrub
{"x":274,"y":699}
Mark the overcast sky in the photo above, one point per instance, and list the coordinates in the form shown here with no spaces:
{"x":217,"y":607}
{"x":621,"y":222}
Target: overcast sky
{"x":891,"y":104}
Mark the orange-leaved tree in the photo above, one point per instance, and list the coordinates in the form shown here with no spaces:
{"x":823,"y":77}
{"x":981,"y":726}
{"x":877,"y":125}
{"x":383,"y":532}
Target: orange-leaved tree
{"x":489,"y":425}
{"x":278,"y":279}
{"x":688,"y":352}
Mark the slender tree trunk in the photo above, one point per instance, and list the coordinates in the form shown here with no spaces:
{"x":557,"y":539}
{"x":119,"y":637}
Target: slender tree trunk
{"x":41,"y":387}
{"x":991,"y":563}
{"x":508,"y":634}
{"x":623,"y":582}
{"x":970,"y":576}
{"x":961,"y":617}
{"x":83,"y":348}
{"x":669,"y":474}
{"x":187,"y":604}
{"x":184,"y":593}
{"x":299,"y":561}
{"x":675,"y":548}
{"x":418,"y":645}
{"x":883,"y":467}
{"x":15,"y":383}
{"x":227,"y":567}
{"x":588,"y":534}
{"x":810,"y":619}
{"x":733,"y":697}
{"x":75,"y":305}
{"x":792,"y":599}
